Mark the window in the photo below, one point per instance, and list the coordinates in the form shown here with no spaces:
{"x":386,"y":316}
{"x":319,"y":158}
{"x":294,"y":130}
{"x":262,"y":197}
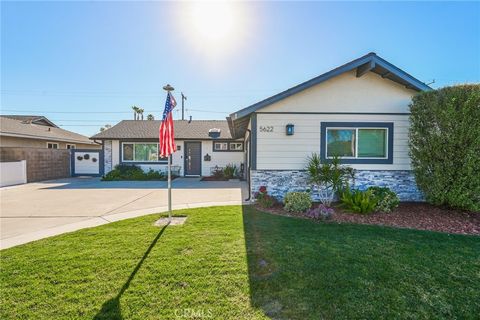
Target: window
{"x":140,"y":152}
{"x":227,"y":146}
{"x":236,"y":146}
{"x":52,"y":145}
{"x":70,"y":146}
{"x":357,"y":142}
{"x":220,"y":146}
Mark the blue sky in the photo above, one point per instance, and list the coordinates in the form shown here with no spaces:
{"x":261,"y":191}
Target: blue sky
{"x":84,"y":64}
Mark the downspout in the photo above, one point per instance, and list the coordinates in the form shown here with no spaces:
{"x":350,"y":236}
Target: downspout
{"x":249,"y":163}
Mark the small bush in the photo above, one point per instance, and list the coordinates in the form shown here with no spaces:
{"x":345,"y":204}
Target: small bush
{"x":218,"y":173}
{"x":387,"y":200}
{"x":358,"y":201}
{"x":132,"y":172}
{"x":322,"y":212}
{"x":264,"y":200}
{"x":297,"y":201}
{"x":230,"y":171}
{"x":444,"y":143}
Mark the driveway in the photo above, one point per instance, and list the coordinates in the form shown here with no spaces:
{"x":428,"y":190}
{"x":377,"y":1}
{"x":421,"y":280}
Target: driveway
{"x":37,"y":210}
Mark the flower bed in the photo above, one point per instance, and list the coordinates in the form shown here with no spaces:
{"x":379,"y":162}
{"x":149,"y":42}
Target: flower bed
{"x":421,"y":216}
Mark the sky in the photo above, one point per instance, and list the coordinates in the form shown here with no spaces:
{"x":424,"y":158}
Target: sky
{"x":84,"y":64}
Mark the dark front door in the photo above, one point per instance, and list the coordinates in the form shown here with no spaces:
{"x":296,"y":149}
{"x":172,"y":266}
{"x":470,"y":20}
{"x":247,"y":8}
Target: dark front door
{"x":193,"y":158}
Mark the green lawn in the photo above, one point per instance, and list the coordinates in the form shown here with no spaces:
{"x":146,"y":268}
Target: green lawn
{"x":228,"y":264}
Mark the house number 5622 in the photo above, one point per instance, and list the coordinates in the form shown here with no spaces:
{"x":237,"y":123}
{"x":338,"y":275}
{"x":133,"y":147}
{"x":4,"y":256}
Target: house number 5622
{"x":266,"y":128}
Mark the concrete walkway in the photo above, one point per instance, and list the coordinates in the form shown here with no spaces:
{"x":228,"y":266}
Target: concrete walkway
{"x":38,"y":210}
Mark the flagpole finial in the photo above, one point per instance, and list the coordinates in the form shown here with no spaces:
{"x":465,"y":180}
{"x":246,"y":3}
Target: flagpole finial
{"x":168,"y":88}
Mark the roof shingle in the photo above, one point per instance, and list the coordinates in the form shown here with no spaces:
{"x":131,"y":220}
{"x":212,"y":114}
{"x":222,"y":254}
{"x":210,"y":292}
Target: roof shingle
{"x":148,"y":129}
{"x":22,"y":126}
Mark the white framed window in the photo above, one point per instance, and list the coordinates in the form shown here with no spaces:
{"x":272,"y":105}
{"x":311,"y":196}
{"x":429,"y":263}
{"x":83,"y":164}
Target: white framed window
{"x":227,"y":146}
{"x":140,"y":152}
{"x":357,"y":143}
{"x":236,"y":146}
{"x":220,"y":146}
{"x":70,"y":146}
{"x":52,"y":145}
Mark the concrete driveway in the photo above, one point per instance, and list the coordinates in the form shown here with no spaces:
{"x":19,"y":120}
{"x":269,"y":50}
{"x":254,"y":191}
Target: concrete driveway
{"x":37,"y":210}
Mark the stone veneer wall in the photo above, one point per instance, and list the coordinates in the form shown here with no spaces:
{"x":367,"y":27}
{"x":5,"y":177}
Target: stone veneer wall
{"x":279,"y":182}
{"x":107,"y":156}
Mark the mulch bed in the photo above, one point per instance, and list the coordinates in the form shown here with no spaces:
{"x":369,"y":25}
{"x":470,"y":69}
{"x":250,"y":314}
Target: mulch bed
{"x":212,"y":178}
{"x":412,"y":215}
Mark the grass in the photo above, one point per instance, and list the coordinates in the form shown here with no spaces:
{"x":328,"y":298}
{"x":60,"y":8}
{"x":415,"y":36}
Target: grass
{"x":228,"y":264}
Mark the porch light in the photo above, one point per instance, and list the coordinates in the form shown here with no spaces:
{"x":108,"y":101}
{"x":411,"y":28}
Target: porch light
{"x":289,"y":129}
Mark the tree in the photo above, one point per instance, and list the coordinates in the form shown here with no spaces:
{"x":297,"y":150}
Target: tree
{"x":140,"y":113}
{"x":444,"y":141}
{"x":107,"y":126}
{"x":135,"y":112}
{"x":150,"y":117}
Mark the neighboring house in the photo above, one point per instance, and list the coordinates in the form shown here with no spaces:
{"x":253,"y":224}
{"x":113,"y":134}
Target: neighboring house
{"x":202,"y":146}
{"x":359,"y":110}
{"x":39,"y":132}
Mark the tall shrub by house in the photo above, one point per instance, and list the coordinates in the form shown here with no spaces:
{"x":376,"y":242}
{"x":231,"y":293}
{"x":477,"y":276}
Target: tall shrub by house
{"x":445,"y":145}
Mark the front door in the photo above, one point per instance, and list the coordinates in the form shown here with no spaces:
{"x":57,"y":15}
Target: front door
{"x":193,"y":158}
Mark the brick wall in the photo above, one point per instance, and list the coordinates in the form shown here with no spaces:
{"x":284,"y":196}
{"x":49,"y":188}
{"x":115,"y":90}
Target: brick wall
{"x":42,"y":164}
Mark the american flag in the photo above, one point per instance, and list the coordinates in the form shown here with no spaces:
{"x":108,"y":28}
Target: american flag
{"x":167,"y":142}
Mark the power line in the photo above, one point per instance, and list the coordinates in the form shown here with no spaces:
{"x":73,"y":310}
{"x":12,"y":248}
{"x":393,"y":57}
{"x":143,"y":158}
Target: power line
{"x":105,"y":112}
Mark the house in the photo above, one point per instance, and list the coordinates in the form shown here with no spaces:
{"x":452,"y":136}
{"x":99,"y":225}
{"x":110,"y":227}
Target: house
{"x":39,"y":132}
{"x":359,"y":111}
{"x":202,"y":146}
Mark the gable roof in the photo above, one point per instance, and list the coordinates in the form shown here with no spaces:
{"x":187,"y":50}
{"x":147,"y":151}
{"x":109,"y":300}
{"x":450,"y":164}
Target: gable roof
{"x":148,"y":129}
{"x":41,"y":120}
{"x":369,"y":62}
{"x":37,"y":127}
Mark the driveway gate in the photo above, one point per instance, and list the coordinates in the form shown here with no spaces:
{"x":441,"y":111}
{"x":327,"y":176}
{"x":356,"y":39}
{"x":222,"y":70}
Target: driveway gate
{"x":86,"y":162}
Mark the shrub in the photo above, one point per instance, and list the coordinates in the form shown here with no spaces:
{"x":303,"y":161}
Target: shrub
{"x":330,"y":174}
{"x":264,"y":199}
{"x":322,"y":212}
{"x":444,"y":143}
{"x":132,"y":172}
{"x":358,"y":201}
{"x":218,"y":173}
{"x":297,"y":201}
{"x":230,"y":171}
{"x":387,"y":200}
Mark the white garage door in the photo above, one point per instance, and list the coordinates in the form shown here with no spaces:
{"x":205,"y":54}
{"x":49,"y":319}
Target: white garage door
{"x":86,"y":162}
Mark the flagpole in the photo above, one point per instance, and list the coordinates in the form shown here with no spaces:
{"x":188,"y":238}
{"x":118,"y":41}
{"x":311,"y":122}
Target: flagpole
{"x":170,"y":188}
{"x":169,"y":88}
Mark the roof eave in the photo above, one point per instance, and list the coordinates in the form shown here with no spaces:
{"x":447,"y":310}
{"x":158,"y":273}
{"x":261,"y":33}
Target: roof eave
{"x":370,"y":60}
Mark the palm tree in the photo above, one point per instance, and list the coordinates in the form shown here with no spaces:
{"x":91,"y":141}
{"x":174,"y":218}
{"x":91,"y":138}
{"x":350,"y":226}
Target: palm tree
{"x":140,"y":112}
{"x":135,"y":112}
{"x":150,"y":117}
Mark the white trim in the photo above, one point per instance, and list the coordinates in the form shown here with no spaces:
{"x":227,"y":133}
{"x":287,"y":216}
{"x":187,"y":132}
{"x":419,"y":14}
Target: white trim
{"x":53,"y":143}
{"x":356,"y":142}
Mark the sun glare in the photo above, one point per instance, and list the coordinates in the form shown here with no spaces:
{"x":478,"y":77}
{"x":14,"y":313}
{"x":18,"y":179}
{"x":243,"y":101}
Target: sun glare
{"x":214,"y":27}
{"x":213,"y":22}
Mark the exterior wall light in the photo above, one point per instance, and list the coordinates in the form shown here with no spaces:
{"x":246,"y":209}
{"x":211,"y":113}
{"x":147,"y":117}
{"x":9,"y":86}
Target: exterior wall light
{"x":290,"y":129}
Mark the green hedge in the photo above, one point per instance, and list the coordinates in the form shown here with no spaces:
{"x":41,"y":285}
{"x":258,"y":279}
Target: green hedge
{"x":445,"y":145}
{"x":132,"y":172}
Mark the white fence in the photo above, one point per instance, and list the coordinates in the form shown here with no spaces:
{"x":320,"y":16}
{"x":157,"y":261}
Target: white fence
{"x":14,"y":172}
